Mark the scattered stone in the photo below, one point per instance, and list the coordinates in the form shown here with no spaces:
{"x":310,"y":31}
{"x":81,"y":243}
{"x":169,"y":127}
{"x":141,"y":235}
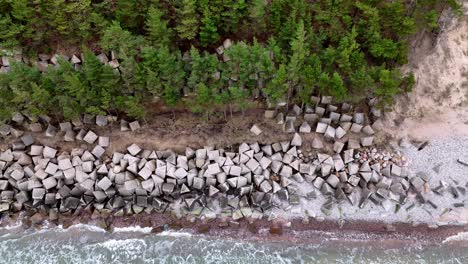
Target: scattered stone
{"x":256,"y":130}
{"x":134,"y":126}
{"x":90,"y":137}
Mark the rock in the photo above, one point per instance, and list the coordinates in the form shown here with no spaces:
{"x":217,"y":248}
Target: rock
{"x":49,"y":152}
{"x":270,"y":114}
{"x":297,"y":110}
{"x":326,"y":100}
{"x":38,"y":193}
{"x":103,"y":58}
{"x":353,"y":144}
{"x":51,"y":131}
{"x":90,"y":137}
{"x":101,"y":120}
{"x":338,"y":146}
{"x":255,"y":130}
{"x":368,"y":130}
{"x":135,"y":125}
{"x":98,"y":151}
{"x":27,"y":140}
{"x":330,"y":133}
{"x":317,"y":143}
{"x":417,"y":183}
{"x":133,"y":149}
{"x":69,"y":136}
{"x":16,"y":133}
{"x":340,"y":132}
{"x":75,"y":59}
{"x":104,"y":183}
{"x":49,"y":183}
{"x":358,"y":118}
{"x":296,"y":140}
{"x":103,"y":141}
{"x":356,"y":128}
{"x":396,"y":170}
{"x":227,"y":43}
{"x":321,"y":128}
{"x":35,"y":127}
{"x":124,"y":125}
{"x":5,"y":130}
{"x":311,"y":118}
{"x":65,"y":126}
{"x":305,"y":128}
{"x":212,"y":191}
{"x":333,"y":180}
{"x":367,"y":141}
{"x":288,"y":126}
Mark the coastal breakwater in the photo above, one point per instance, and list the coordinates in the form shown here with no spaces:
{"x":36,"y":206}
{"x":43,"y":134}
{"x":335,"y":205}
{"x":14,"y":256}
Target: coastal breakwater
{"x":339,"y":175}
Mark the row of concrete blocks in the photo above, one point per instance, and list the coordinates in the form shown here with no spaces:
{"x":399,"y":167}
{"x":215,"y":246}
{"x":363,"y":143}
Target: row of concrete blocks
{"x":260,"y":173}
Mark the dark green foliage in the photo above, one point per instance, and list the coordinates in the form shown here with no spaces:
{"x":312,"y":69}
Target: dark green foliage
{"x":187,"y":20}
{"x":158,"y":30}
{"x":284,"y":50}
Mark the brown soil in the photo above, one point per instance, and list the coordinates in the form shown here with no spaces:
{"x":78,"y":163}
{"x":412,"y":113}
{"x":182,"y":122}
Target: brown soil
{"x":162,"y":132}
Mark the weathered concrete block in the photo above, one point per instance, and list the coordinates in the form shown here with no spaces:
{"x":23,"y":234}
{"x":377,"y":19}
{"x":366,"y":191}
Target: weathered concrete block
{"x":358,"y":118}
{"x":49,"y":152}
{"x":305,"y":128}
{"x":270,"y":114}
{"x":317,"y":143}
{"x":133,"y":149}
{"x":90,"y":137}
{"x":367,"y":141}
{"x":296,"y":140}
{"x":101,"y":120}
{"x":368,"y":130}
{"x":135,"y":125}
{"x":256,"y":130}
{"x":98,"y":151}
{"x":51,"y":131}
{"x":356,"y":128}
{"x":38,"y":193}
{"x":321,"y":128}
{"x":69,"y":136}
{"x":49,"y":183}
{"x":27,"y":139}
{"x":105,"y":183}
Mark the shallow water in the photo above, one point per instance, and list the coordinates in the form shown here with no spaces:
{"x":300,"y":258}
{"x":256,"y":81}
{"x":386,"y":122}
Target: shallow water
{"x":87,"y":244}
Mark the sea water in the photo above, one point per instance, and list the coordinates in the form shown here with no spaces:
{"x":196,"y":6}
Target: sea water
{"x":89,"y":244}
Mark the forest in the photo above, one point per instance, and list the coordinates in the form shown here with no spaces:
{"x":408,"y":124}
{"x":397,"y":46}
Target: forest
{"x":282,"y":51}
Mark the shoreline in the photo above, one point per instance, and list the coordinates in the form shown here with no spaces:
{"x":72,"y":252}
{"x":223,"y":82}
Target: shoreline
{"x":294,"y":230}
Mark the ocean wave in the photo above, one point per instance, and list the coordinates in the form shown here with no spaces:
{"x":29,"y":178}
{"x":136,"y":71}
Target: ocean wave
{"x":171,"y":233}
{"x":133,"y":229}
{"x":85,"y":227}
{"x":462,"y":236}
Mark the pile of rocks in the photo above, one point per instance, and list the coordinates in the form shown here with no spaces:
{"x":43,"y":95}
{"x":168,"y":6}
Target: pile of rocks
{"x":45,"y":61}
{"x":240,"y":183}
{"x":21,"y":126}
{"x":336,"y":124}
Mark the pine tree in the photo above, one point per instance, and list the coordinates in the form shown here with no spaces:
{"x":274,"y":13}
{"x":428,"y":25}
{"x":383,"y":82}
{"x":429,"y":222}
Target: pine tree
{"x":208,"y":31}
{"x":158,"y":31}
{"x":277,"y":88}
{"x":297,"y":59}
{"x":257,"y":13}
{"x":188,"y":21}
{"x":117,"y":39}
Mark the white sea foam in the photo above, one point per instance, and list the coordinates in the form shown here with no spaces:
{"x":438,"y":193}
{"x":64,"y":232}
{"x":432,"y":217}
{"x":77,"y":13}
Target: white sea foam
{"x":91,"y":228}
{"x":135,"y":229}
{"x":175,"y":234}
{"x":462,"y":236}
{"x":15,"y":225}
